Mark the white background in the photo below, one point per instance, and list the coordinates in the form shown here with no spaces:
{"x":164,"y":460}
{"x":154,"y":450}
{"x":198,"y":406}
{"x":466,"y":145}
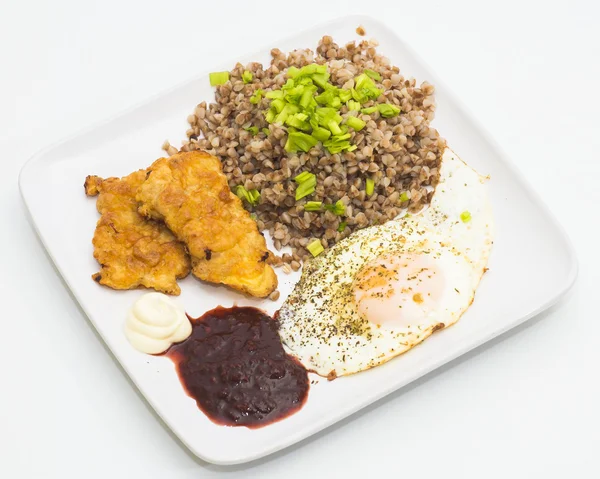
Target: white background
{"x":526,"y":405}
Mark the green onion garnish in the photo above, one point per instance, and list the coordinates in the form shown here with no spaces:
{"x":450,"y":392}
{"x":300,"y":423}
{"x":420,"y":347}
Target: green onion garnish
{"x":368,"y":111}
{"x":253,"y":130}
{"x":270,"y":115}
{"x":247,"y":76}
{"x":353,"y":105}
{"x":298,"y":141}
{"x":253,"y":216}
{"x":251,"y":196}
{"x":274,"y":94}
{"x":387,"y":110}
{"x":342,"y":226}
{"x":315,"y":247}
{"x":306,"y":184}
{"x":465,"y":216}
{"x":254,"y":99}
{"x":266,"y":131}
{"x":304,"y":176}
{"x":321,"y":134}
{"x":313,"y":206}
{"x":218,"y":78}
{"x":338,"y":208}
{"x":356,"y":123}
{"x":305,"y":189}
{"x":373,"y":74}
{"x":308,"y":104}
{"x":370,"y":187}
{"x":404,"y":197}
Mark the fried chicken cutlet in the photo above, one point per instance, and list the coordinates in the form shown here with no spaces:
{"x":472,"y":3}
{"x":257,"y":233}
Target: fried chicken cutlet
{"x":132,"y":250}
{"x":189,"y":192}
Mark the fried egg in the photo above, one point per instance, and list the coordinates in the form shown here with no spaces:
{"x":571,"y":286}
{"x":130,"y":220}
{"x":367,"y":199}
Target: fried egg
{"x":384,"y":289}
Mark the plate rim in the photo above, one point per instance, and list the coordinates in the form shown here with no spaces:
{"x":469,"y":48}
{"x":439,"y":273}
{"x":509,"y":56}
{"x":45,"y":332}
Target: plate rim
{"x":563,"y":287}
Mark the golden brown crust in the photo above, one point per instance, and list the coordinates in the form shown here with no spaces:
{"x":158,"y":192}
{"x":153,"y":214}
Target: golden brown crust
{"x":189,"y":192}
{"x":132,"y":250}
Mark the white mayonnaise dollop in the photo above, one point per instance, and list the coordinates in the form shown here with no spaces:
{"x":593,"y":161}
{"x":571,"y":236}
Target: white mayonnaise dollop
{"x":155,"y":322}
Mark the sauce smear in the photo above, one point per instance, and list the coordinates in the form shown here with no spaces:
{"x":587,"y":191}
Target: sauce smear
{"x":236,"y":369}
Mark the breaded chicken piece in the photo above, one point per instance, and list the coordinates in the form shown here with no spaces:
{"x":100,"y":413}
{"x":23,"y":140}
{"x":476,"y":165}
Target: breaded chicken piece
{"x":189,"y":192}
{"x":132,"y":250}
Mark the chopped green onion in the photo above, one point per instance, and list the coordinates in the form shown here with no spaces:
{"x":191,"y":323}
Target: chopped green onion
{"x":253,"y":216}
{"x":255,"y":195}
{"x":313,"y":206}
{"x":373,"y":74}
{"x":355,"y":123}
{"x":247,"y":76}
{"x":387,"y":110}
{"x":254,"y":99}
{"x":404,"y":197}
{"x":315,"y":247}
{"x":218,"y":78}
{"x":334,"y":127}
{"x":251,"y":196}
{"x":270,"y":115}
{"x":304,"y":176}
{"x":278,"y":105}
{"x":353,"y":105}
{"x":298,"y":121}
{"x":307,"y":96}
{"x":338,"y":208}
{"x":299,"y":141}
{"x":342,"y":226}
{"x":292,"y":72}
{"x":368,"y":111}
{"x":369,"y":187}
{"x":304,"y":81}
{"x":309,"y":104}
{"x":306,"y":188}
{"x":321,"y":81}
{"x":345,"y":95}
{"x":266,"y":131}
{"x":272,"y":95}
{"x":321,"y":134}
{"x":252,"y":129}
{"x":465,"y":216}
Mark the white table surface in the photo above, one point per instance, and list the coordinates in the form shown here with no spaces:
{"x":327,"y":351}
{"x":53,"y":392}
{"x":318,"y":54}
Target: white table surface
{"x":526,"y":405}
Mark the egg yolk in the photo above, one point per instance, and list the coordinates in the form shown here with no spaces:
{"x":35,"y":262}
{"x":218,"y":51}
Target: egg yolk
{"x":398,"y":291}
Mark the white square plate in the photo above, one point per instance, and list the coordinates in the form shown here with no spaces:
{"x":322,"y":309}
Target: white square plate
{"x":531,"y":267}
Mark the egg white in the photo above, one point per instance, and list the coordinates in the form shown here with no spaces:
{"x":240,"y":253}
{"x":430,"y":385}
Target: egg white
{"x":384,"y":289}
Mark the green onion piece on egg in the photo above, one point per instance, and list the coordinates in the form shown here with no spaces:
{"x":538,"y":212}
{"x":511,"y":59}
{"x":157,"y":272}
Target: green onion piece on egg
{"x":315,"y":247}
{"x":218,"y":78}
{"x":465,"y":216}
